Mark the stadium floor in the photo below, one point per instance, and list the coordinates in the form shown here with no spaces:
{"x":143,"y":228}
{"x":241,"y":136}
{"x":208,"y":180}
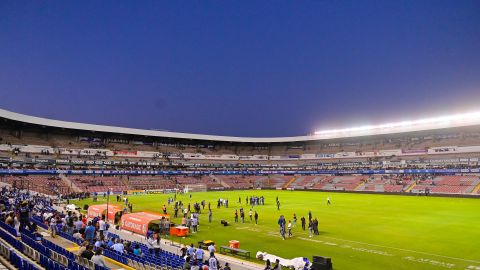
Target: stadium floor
{"x":358,"y":231}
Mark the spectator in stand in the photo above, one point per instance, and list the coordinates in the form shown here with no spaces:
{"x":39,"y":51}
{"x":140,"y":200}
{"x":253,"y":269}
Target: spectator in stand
{"x":186,"y":265}
{"x":102,"y":225}
{"x":10,"y":218}
{"x":98,"y":258}
{"x":277,"y":265}
{"x":211,"y":249}
{"x":195,"y":265}
{"x":212,"y":262}
{"x":82,"y":248}
{"x":99,"y":243}
{"x":25,"y":215}
{"x":17,"y":223}
{"x":77,"y":235}
{"x":53,"y":226}
{"x":199,"y":254}
{"x":88,"y":253}
{"x":191,"y":251}
{"x":153,"y":245}
{"x":111,"y":242}
{"x":78,"y":223}
{"x":90,"y":232}
{"x":137,"y":251}
{"x":268,"y":265}
{"x":118,"y":246}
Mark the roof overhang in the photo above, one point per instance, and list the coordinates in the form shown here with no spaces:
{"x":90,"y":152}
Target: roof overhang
{"x":463,"y":120}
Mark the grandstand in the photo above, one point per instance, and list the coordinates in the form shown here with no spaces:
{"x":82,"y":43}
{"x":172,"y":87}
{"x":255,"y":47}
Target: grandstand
{"x":34,"y":143}
{"x":63,"y":160}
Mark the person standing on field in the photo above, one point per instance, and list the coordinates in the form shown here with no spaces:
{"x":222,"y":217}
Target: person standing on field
{"x":289,"y":228}
{"x":310,"y":228}
{"x":256,"y":218}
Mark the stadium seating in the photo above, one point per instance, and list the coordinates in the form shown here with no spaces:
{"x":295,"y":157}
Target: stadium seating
{"x":47,"y":184}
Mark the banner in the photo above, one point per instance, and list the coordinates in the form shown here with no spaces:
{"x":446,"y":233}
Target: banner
{"x":138,"y":222}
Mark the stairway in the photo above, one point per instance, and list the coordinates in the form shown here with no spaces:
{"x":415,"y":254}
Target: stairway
{"x":476,"y":189}
{"x":289,"y":182}
{"x":221,"y":182}
{"x":410,"y":187}
{"x":69,"y":183}
{"x":360,"y":185}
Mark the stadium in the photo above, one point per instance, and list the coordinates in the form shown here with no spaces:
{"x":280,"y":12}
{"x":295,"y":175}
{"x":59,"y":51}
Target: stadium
{"x":399,"y":195}
{"x":240,"y":135}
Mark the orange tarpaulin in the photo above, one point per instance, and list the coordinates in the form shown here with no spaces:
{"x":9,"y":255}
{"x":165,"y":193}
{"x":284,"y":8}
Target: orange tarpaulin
{"x":138,"y":222}
{"x":100,"y":209}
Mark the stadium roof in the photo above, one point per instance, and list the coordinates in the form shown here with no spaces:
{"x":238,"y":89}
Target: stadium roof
{"x":459,"y":120}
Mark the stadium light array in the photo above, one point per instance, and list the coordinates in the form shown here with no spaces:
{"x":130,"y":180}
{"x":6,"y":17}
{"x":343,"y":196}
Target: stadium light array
{"x":455,"y":120}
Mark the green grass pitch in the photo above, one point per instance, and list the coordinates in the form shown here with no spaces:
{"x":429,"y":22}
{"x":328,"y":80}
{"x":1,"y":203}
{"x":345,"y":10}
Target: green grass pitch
{"x":358,"y":231}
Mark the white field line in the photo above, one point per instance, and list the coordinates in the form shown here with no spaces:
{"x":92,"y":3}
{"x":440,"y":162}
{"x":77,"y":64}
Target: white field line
{"x":273,"y":233}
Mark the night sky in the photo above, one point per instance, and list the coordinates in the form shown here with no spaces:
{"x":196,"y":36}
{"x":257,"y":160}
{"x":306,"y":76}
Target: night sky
{"x":243,"y":68}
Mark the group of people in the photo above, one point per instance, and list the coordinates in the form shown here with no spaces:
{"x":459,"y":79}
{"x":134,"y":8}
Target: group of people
{"x":18,"y":207}
{"x":252,"y":214}
{"x":192,"y":223}
{"x":253,"y":200}
{"x":195,"y":258}
{"x":286,"y":228}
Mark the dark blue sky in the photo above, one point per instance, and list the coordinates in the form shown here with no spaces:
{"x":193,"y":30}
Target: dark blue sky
{"x":246,"y":68}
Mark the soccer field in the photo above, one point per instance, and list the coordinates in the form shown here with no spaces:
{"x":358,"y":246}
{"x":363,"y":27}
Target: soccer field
{"x":358,"y":231}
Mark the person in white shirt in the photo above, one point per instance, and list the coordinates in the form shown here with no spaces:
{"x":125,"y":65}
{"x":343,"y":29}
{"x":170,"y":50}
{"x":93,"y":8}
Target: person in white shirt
{"x":289,"y":226}
{"x":53,"y":226}
{"x":77,"y":235}
{"x":153,"y":245}
{"x":78,"y":224}
{"x":211,"y":249}
{"x":98,"y":258}
{"x":118,"y":247}
{"x":99,"y":243}
{"x":16,"y":224}
{"x":101,"y":226}
{"x":212,"y":262}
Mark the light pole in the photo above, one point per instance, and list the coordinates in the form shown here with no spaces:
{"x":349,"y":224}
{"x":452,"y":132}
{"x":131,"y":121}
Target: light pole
{"x":108,"y":200}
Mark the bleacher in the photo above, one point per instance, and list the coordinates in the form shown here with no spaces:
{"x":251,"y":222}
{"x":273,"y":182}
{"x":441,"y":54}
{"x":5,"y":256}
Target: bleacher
{"x":99,"y":183}
{"x":164,"y":261}
{"x":46,"y":184}
{"x":236,"y":181}
{"x":347,"y":183}
{"x":448,"y":184}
